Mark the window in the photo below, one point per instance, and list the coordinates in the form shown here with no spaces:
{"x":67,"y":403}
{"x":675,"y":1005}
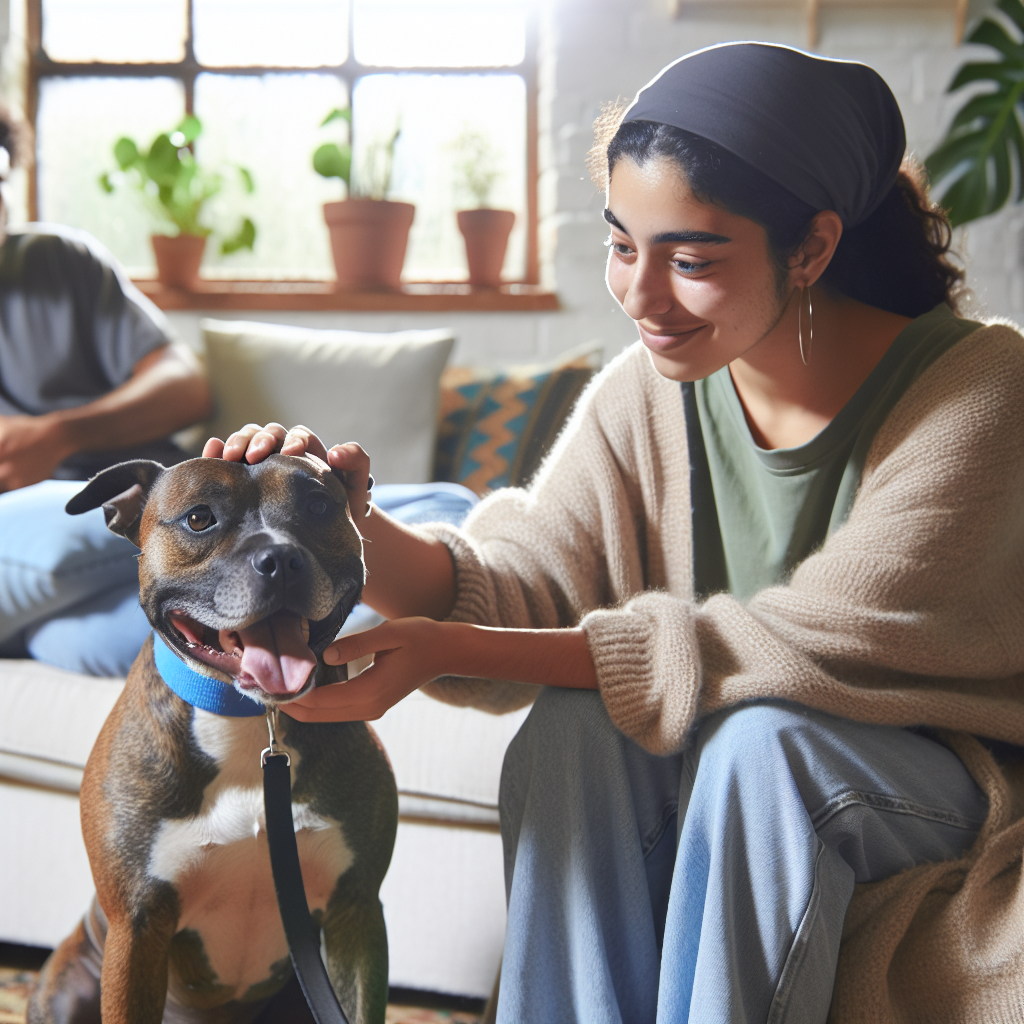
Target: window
{"x":261,"y":75}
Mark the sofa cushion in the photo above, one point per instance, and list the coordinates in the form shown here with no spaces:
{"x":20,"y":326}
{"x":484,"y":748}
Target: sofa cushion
{"x":51,"y":720}
{"x":378,"y":389}
{"x":497,"y":425}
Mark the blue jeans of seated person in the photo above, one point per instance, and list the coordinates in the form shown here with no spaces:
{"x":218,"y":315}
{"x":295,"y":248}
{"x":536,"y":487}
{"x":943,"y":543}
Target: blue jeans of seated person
{"x":69,"y":590}
{"x":711,"y":886}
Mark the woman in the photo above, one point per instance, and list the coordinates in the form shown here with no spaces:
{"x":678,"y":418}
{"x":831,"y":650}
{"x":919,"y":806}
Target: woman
{"x":769,"y":575}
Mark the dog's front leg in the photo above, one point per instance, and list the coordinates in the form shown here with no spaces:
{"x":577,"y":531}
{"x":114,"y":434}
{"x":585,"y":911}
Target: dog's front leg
{"x":357,"y":953}
{"x":133,"y":984}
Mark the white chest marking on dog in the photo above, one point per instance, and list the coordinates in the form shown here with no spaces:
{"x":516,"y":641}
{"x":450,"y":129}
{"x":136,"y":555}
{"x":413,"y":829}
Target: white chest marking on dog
{"x":219,"y":860}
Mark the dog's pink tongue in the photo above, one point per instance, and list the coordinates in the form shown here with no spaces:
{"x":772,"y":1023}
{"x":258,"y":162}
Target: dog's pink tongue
{"x":276,"y":655}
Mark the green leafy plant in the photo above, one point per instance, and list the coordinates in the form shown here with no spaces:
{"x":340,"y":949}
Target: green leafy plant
{"x":478,"y":164}
{"x":334,"y":160}
{"x":173,"y":186}
{"x":981,"y":159}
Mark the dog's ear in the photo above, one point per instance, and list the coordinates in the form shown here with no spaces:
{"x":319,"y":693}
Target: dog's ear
{"x":122,"y":490}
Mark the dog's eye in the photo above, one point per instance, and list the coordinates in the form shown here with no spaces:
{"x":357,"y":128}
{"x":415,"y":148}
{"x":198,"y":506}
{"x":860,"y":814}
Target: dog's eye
{"x":200,"y":518}
{"x":317,"y":506}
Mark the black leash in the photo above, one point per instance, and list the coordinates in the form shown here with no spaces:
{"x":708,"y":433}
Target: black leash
{"x":303,"y":937}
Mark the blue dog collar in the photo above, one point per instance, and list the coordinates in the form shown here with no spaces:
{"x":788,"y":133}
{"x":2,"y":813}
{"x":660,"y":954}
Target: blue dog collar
{"x":201,"y":691}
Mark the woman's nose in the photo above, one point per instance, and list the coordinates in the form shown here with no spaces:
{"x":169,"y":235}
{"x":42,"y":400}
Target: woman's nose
{"x":649,"y":292}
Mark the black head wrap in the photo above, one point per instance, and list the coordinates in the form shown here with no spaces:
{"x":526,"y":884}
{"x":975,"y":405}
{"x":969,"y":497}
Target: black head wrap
{"x":829,"y":131}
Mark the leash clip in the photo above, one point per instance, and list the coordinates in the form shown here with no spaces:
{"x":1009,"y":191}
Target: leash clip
{"x":273,"y":750}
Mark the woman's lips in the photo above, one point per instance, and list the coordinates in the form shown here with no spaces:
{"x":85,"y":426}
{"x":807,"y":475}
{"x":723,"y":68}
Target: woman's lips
{"x":666,"y":341}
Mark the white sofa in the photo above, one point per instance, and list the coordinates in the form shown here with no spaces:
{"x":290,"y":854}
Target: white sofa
{"x":444,"y":894}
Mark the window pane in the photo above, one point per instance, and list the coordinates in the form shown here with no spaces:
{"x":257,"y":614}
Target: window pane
{"x":440,"y":117}
{"x":271,"y":126}
{"x":78,"y":123}
{"x":447,"y":33}
{"x":124,"y":31}
{"x":271,"y":33}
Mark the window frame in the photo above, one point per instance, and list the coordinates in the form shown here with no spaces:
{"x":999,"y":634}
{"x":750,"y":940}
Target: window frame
{"x":40,"y":65}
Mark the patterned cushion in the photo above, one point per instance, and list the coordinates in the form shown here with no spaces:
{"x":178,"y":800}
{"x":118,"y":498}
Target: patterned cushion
{"x":497,"y":425}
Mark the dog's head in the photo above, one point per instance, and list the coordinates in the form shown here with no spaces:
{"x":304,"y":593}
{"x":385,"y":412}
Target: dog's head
{"x":248,"y":570}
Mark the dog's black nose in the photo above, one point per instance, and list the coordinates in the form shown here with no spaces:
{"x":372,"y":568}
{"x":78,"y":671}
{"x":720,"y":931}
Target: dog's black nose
{"x":271,"y":561}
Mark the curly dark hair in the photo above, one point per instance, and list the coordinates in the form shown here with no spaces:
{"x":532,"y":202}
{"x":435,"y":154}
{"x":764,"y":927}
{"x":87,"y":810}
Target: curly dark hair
{"x":899,"y":259}
{"x":15,"y":136}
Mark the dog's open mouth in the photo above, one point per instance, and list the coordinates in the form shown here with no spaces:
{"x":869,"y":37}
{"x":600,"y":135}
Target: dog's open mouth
{"x":272,"y":654}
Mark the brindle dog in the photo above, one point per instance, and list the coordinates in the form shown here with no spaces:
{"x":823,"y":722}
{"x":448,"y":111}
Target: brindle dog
{"x":246,"y":573}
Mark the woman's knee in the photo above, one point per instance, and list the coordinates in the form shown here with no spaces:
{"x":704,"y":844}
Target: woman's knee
{"x":569,"y":754}
{"x":752,"y":737}
{"x":564,"y":727}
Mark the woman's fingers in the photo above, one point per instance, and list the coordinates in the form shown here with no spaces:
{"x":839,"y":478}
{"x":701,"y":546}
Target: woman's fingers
{"x":265,"y":442}
{"x":253,"y":442}
{"x":359,"y":645}
{"x":354,"y":466}
{"x":300,"y":440}
{"x":213,"y":449}
{"x":362,"y":699}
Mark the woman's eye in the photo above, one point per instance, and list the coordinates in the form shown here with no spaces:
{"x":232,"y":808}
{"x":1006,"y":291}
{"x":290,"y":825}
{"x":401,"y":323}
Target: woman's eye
{"x":317,"y":506}
{"x":686,"y":267}
{"x":619,"y":248}
{"x":200,"y":518}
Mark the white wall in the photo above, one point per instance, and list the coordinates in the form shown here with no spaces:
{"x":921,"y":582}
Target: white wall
{"x":596,"y":50}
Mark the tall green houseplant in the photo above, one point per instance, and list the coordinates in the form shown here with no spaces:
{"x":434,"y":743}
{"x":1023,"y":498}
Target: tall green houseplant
{"x":981,"y":160}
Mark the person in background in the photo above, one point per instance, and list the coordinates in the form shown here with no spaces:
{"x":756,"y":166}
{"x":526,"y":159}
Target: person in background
{"x":89,"y":376}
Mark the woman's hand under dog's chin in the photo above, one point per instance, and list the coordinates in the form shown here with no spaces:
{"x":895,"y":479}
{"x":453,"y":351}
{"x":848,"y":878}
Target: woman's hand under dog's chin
{"x":413,"y":651}
{"x":254,"y":443}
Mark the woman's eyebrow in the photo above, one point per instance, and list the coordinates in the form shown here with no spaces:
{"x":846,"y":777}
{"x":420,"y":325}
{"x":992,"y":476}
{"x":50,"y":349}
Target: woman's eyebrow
{"x":696,"y":237}
{"x":613,"y":220}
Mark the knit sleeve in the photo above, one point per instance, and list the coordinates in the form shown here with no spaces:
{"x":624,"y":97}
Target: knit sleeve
{"x":541,"y":557}
{"x":909,"y":614}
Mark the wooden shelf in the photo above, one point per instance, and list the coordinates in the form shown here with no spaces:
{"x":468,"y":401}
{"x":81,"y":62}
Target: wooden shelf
{"x":322,"y":296}
{"x":813,"y":9}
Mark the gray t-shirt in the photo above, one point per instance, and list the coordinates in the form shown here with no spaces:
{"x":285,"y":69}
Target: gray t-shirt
{"x":72,"y":326}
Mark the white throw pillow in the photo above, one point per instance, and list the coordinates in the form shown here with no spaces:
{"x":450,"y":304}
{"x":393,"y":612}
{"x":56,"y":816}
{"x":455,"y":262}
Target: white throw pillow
{"x":378,"y":389}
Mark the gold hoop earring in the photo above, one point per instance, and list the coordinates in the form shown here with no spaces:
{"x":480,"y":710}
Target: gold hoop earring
{"x":805,"y":355}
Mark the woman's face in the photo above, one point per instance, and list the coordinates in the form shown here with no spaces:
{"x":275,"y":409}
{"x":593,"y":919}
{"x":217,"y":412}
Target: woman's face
{"x":698,"y":280}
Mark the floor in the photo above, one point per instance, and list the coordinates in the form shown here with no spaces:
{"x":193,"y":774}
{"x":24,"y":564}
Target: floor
{"x":20,"y":964}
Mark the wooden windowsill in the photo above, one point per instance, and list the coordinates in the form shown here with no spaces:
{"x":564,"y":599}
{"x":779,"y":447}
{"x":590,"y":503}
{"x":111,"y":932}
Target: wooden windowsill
{"x":323,"y":296}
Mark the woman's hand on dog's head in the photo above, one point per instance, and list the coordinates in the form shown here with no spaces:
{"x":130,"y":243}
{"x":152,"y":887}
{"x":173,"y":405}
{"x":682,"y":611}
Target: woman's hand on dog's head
{"x":254,"y":443}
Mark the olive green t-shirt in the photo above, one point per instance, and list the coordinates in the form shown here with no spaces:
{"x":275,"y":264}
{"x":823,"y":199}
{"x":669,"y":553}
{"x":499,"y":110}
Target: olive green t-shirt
{"x":774,"y":508}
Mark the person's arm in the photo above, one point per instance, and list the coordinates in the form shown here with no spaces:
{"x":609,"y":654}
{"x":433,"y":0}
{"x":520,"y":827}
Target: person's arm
{"x":408,"y":572}
{"x":411,"y":652}
{"x":166,"y":392}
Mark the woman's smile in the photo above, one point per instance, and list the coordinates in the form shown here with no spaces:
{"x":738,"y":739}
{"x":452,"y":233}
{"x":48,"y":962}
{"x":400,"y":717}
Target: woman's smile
{"x":662,"y":340}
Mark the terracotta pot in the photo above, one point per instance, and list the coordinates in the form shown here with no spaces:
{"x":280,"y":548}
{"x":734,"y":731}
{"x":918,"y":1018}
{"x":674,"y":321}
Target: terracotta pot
{"x":178,"y":258}
{"x":486,"y":233}
{"x":368,"y":240}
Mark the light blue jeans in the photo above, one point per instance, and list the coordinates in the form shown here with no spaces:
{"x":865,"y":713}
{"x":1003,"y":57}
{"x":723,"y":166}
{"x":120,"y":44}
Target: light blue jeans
{"x":709,"y":886}
{"x":69,"y":588}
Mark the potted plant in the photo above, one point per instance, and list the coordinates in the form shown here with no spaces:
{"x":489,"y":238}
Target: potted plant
{"x":485,"y":230}
{"x":175,"y":188}
{"x":369,"y":232}
{"x":980,"y":162}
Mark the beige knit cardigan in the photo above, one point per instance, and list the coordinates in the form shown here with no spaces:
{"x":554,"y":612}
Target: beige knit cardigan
{"x":911,"y":613}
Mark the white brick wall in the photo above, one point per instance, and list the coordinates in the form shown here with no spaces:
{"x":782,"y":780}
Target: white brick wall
{"x":596,"y":50}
